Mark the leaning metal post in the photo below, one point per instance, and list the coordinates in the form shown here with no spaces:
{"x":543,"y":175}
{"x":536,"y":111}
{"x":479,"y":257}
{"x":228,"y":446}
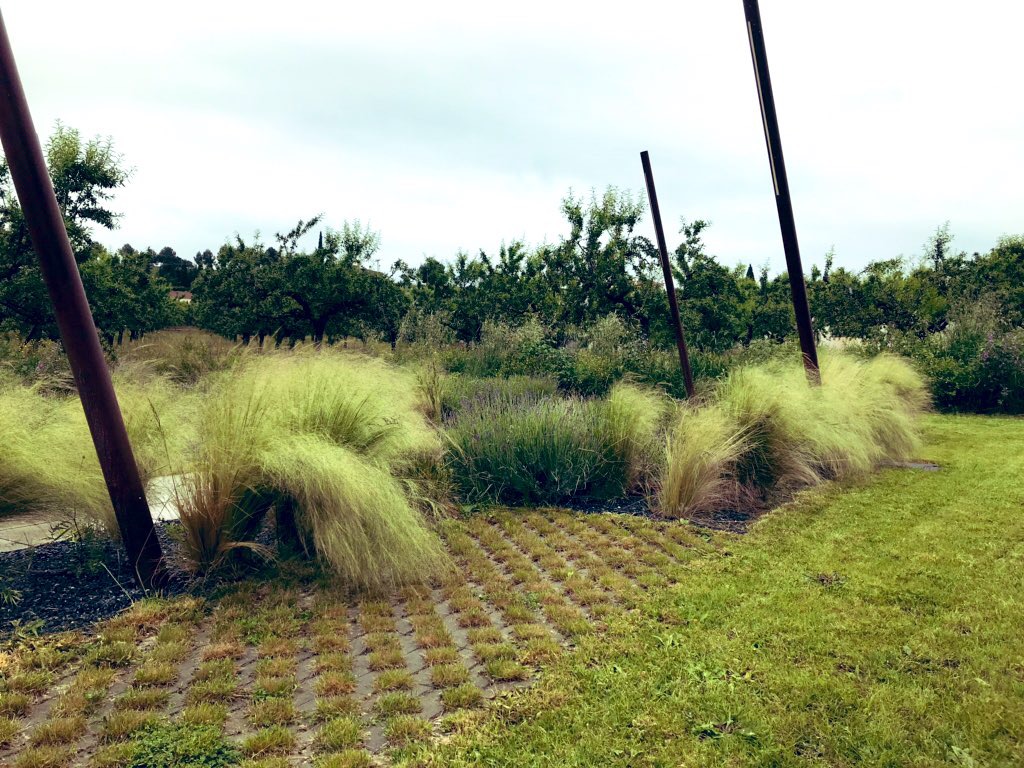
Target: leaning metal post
{"x":677,"y":324}
{"x":783,"y":201}
{"x":77,"y":329}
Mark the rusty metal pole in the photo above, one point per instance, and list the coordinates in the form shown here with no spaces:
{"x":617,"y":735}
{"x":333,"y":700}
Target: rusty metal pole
{"x":783,"y":201}
{"x":670,"y":288}
{"x":74,"y":319}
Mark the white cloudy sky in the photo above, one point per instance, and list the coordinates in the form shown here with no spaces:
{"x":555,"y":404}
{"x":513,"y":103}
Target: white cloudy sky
{"x":456,"y":125}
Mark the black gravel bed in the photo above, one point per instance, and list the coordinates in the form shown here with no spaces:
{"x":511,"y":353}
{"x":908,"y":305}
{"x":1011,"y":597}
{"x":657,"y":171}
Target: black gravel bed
{"x":731,"y":520}
{"x":73,"y":584}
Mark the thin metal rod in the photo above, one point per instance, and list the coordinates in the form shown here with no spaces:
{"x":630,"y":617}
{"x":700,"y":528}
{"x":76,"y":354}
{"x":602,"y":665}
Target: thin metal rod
{"x":77,"y":329}
{"x":783,"y":201}
{"x":670,"y":288}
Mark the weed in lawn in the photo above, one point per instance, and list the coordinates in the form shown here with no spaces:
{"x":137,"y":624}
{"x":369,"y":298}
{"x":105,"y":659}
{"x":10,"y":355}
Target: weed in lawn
{"x":14,"y":703}
{"x":121,"y":755}
{"x":349,"y":758}
{"x":484,"y":635}
{"x":465,"y":696}
{"x":332,"y":662}
{"x":506,"y":670}
{"x":490,"y":651}
{"x":381,"y":641}
{"x":219,"y":669}
{"x":406,"y":729}
{"x":170,"y":653}
{"x":170,"y":745}
{"x":9,"y":728}
{"x":269,"y":712}
{"x":119,"y":726}
{"x":212,"y":691}
{"x":277,"y":647}
{"x":155,"y":673}
{"x":264,"y":687}
{"x":223,"y":650}
{"x":338,"y":734}
{"x":34,"y":681}
{"x":59,"y":731}
{"x":540,"y":650}
{"x":275,"y":667}
{"x":393,"y":680}
{"x":434,"y":656}
{"x":331,"y":643}
{"x":205,"y":713}
{"x":332,"y":707}
{"x":142,"y":699}
{"x":388,"y":659}
{"x":115,"y":654}
{"x":397,"y":703}
{"x":448,"y":675}
{"x":44,"y":757}
{"x":265,"y":762}
{"x":275,"y":740}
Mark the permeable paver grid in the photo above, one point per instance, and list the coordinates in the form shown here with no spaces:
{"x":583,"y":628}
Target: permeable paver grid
{"x":304,"y":672}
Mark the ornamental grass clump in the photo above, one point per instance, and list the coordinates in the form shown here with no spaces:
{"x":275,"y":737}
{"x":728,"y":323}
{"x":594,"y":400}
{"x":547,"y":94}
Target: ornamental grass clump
{"x":48,"y":463}
{"x":325,"y":441}
{"x":526,"y":450}
{"x":764,"y":433}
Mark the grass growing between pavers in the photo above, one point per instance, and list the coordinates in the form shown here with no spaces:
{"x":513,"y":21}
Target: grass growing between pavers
{"x":873,"y":623}
{"x":870,"y":623}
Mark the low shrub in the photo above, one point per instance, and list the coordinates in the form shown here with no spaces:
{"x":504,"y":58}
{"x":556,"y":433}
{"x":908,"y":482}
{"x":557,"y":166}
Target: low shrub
{"x":765,"y":432}
{"x":554,"y":450}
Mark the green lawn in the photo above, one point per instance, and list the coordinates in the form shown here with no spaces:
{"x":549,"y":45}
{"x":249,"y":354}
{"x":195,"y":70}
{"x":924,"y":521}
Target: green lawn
{"x":879,"y":623}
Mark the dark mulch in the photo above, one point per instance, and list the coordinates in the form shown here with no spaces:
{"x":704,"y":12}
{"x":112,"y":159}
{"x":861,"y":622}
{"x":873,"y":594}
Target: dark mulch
{"x":630,"y":505}
{"x":73,"y":584}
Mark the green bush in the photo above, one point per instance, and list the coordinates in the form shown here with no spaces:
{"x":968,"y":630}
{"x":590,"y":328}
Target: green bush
{"x":978,"y":372}
{"x":555,"y":450}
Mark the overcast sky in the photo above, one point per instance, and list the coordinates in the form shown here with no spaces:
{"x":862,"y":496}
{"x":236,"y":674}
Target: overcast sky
{"x":453,"y":126}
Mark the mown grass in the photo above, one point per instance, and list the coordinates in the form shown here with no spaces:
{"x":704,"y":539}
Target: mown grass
{"x":875,"y":622}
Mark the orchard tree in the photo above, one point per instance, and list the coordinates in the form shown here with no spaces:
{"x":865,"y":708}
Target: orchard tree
{"x":330,"y":284}
{"x":85,"y":175}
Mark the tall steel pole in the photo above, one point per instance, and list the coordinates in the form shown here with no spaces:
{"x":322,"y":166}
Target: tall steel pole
{"x":670,"y":288}
{"x":74,"y":319}
{"x":783,"y":201}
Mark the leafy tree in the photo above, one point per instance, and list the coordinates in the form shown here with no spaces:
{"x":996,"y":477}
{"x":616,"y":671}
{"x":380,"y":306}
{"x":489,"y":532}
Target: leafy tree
{"x":596,"y":269}
{"x":711,"y":300}
{"x":84,"y":175}
{"x":175,"y":270}
{"x":329,"y":285}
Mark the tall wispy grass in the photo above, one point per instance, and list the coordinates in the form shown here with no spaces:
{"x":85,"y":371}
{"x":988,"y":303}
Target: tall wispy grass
{"x":48,"y":464}
{"x":327,"y":439}
{"x":764,"y":432}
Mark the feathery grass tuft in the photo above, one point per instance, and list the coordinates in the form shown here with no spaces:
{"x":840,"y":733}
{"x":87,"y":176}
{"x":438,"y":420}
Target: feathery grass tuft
{"x":323,"y":440}
{"x":766,"y":432}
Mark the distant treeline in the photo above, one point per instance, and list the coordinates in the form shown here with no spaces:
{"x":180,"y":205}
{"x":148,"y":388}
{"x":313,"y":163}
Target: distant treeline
{"x":601,"y":266}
